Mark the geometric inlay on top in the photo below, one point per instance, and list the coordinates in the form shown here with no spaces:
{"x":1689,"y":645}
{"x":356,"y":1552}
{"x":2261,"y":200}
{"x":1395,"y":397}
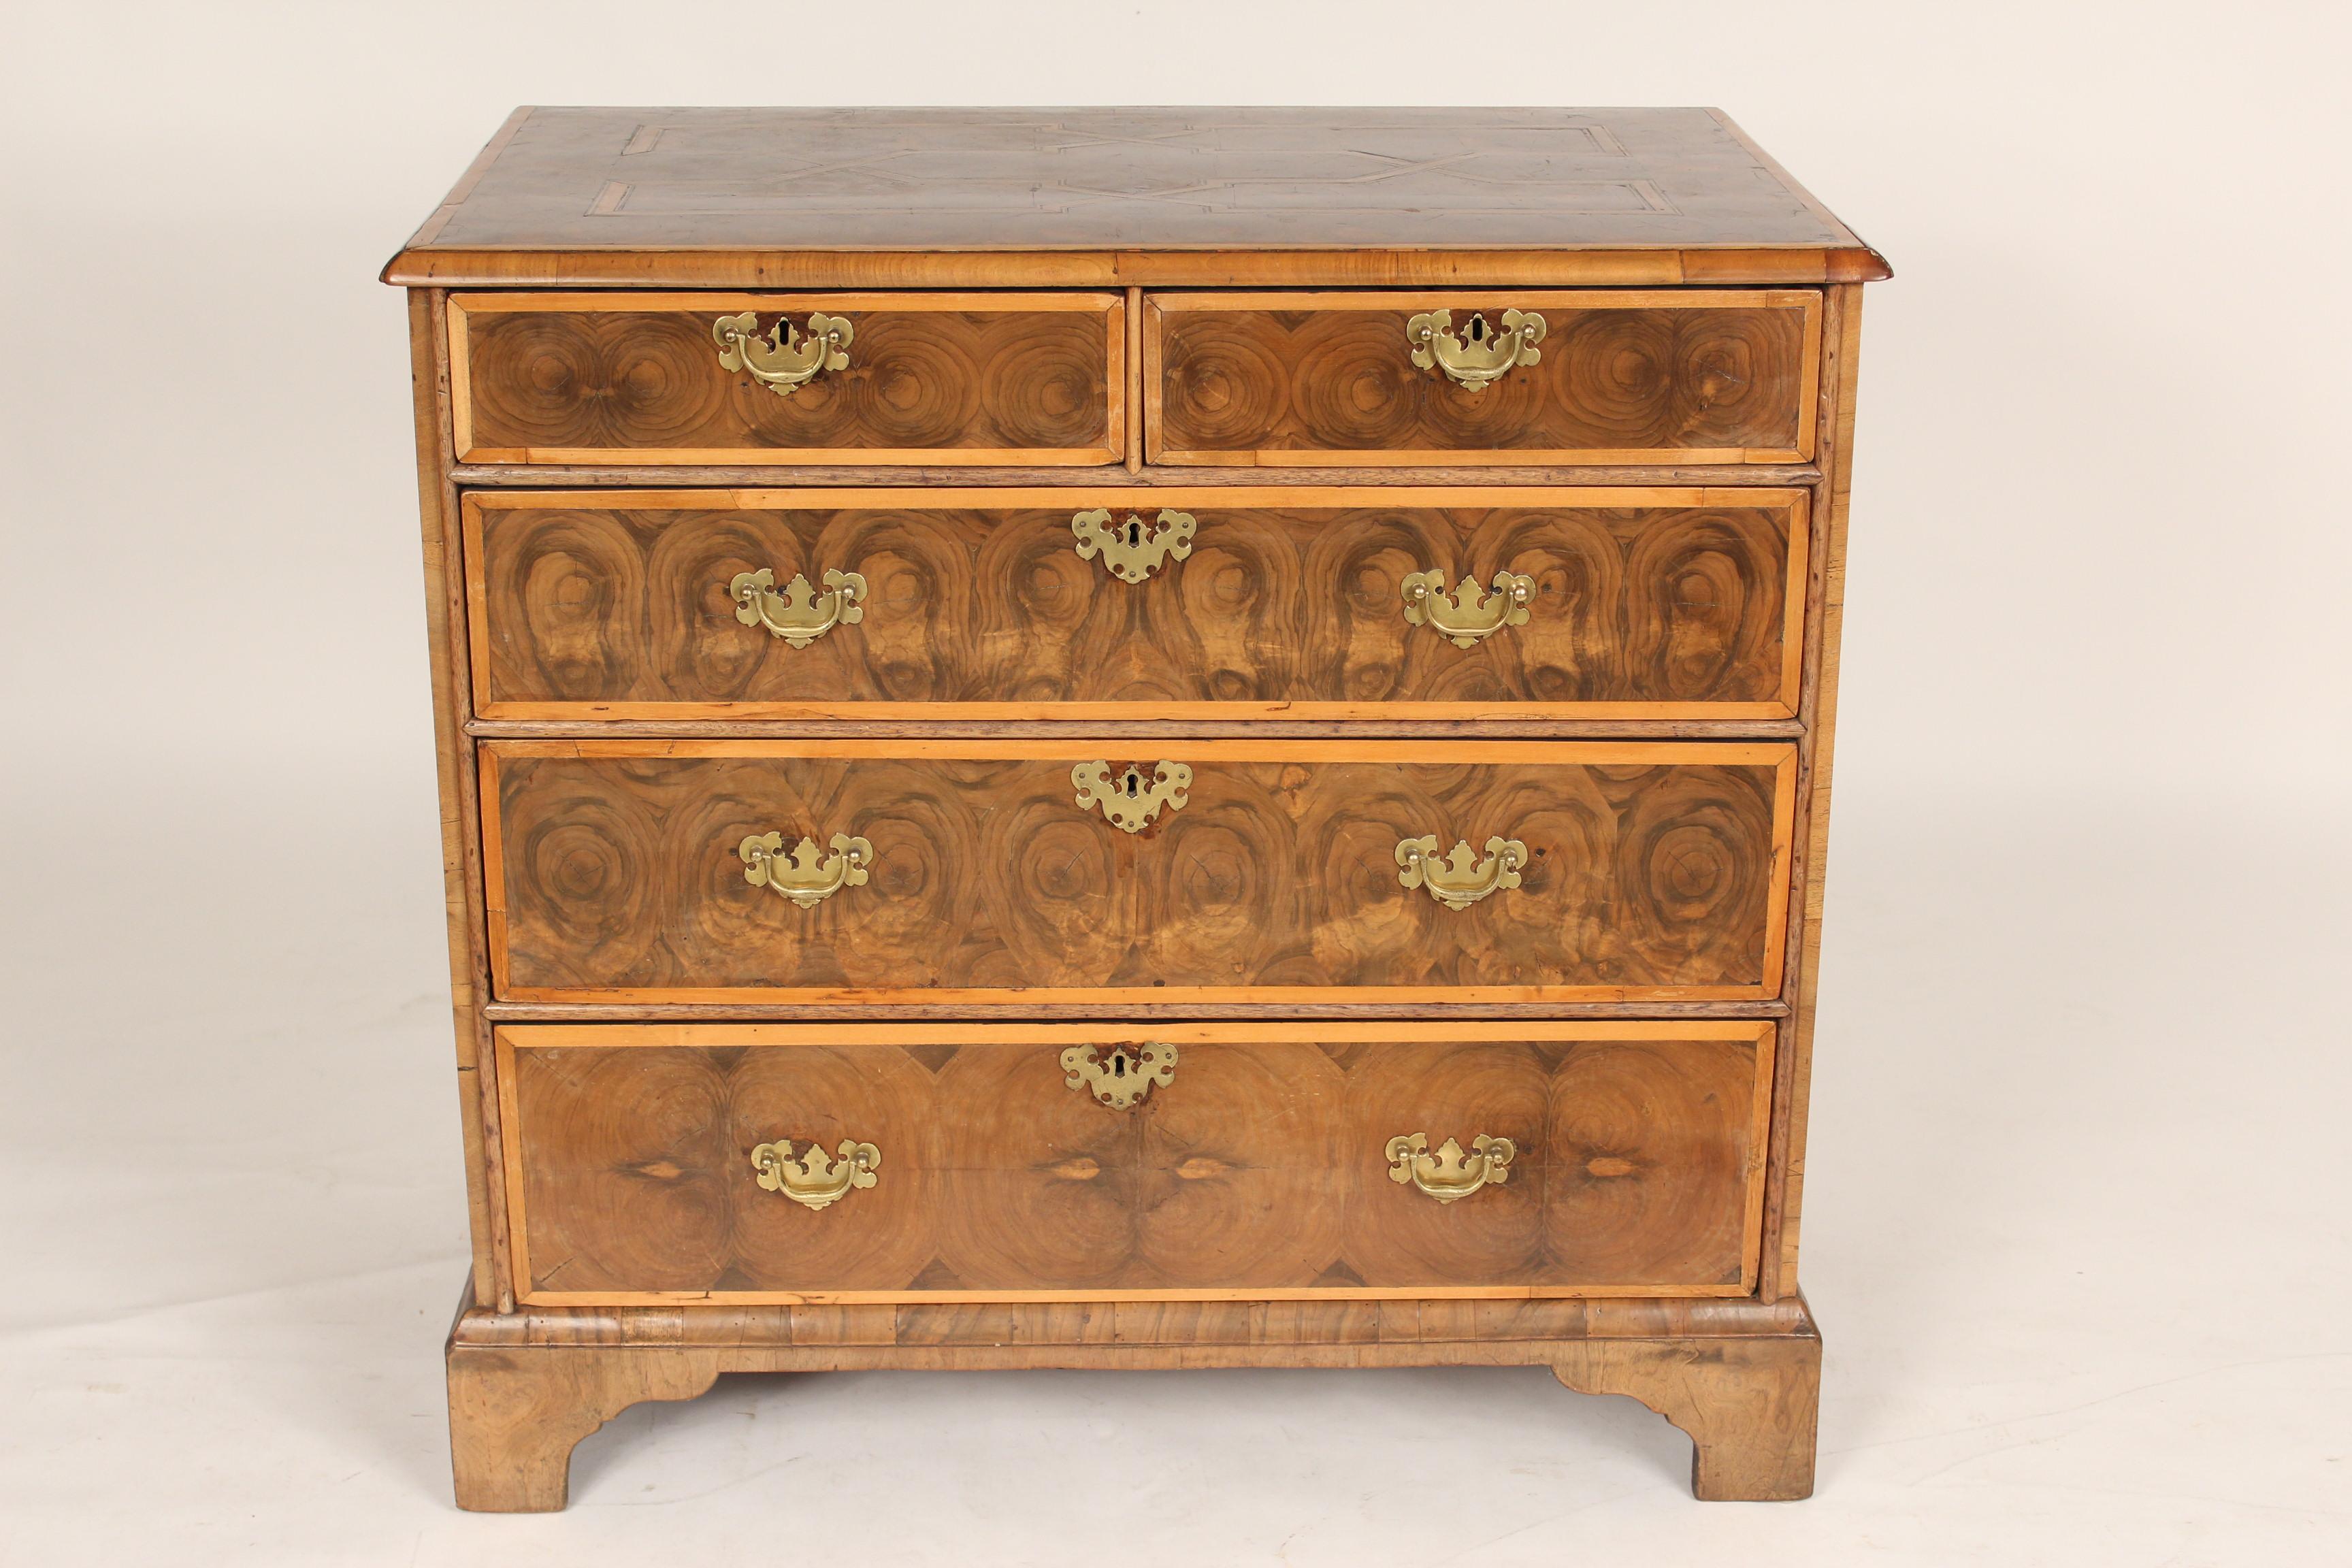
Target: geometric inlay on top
{"x":979,"y":178}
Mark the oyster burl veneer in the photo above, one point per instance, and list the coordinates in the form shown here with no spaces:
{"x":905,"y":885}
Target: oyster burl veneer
{"x":1132,"y":739}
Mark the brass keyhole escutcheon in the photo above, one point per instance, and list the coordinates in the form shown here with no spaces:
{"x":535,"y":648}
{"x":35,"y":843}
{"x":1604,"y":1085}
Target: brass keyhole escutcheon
{"x":1124,"y":1077}
{"x":1129,"y":799}
{"x":1132,"y":550}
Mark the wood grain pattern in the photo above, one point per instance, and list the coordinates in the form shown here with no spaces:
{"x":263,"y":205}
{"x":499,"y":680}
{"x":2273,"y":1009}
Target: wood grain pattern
{"x":1741,"y":1377}
{"x":1650,"y":603}
{"x":1195,"y":197}
{"x":1024,"y":720}
{"x":1272,"y":378}
{"x":1653,"y":872}
{"x":447,"y":266}
{"x":782,"y":179}
{"x":1128,"y":1012}
{"x":1336,"y":1325}
{"x":1034,"y":379}
{"x":1260,"y":1167}
{"x":1793,"y":1095}
{"x":515,"y":1415}
{"x":1639,"y":1015}
{"x":455,"y":778}
{"x":570,"y":475}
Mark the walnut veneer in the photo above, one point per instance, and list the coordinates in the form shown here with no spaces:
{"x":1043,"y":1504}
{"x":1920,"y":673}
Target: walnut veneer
{"x":612,"y":873}
{"x":1660,"y":602}
{"x":1132,"y":739}
{"x":1625,"y":377}
{"x":1637,"y":1173}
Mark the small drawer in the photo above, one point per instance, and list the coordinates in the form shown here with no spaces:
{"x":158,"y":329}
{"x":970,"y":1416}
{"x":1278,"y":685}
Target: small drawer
{"x":1037,"y":872}
{"x":960,"y":379}
{"x":812,"y":1162}
{"x":1128,"y":603}
{"x":1536,"y":376}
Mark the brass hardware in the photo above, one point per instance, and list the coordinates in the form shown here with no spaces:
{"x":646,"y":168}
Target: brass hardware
{"x":1460,"y":879}
{"x":1130,"y":553}
{"x":1449,"y":1176}
{"x":812,"y":1181}
{"x":1467,"y":615}
{"x":783,"y":360}
{"x":1130,"y":800}
{"x":801,"y":876}
{"x":800,"y":614}
{"x":1480,"y":355}
{"x":1125,"y":1076}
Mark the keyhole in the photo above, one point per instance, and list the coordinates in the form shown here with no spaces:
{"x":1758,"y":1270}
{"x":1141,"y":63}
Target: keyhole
{"x":1477,"y":330}
{"x":1134,"y":531}
{"x":1131,"y":782}
{"x":1118,"y":1064}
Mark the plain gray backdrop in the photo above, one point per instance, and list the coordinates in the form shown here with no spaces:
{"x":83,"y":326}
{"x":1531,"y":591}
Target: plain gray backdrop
{"x":2076,"y":1225}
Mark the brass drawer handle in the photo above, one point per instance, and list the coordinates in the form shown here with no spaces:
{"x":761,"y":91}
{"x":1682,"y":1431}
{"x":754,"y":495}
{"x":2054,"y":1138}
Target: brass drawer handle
{"x":1124,"y":1077}
{"x":1449,"y":1176}
{"x":1460,"y":879}
{"x":1467,"y":615}
{"x":1131,"y":801}
{"x":782,"y":359}
{"x":1480,"y":355}
{"x":1131,"y":554}
{"x":803,"y":876}
{"x":800,"y":614}
{"x":812,"y":1181}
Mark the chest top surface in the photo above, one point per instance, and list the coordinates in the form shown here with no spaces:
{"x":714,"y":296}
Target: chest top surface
{"x":1042,"y":180}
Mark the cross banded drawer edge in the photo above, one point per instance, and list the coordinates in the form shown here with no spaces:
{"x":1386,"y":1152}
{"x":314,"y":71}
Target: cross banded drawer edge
{"x":1611,"y":1159}
{"x":626,"y":378}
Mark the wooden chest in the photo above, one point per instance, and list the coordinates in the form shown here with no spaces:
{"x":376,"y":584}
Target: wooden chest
{"x":1132,"y":738}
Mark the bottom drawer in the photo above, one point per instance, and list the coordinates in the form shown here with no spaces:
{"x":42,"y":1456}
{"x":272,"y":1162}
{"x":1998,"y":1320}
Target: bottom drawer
{"x":803,"y":1162}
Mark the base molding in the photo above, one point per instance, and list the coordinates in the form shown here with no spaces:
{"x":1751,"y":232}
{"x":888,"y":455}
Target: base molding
{"x":1742,"y":1377}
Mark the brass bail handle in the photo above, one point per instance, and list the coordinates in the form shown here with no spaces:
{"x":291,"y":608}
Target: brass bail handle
{"x":804,"y":874}
{"x":813,"y":1180}
{"x":1459,"y":879}
{"x":782,"y":359}
{"x":1449,"y":1174}
{"x":1478,"y":356}
{"x":800,"y":614}
{"x":1467,"y":617}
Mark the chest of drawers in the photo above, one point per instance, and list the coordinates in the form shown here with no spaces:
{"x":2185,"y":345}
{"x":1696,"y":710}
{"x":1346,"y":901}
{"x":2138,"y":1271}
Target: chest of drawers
{"x":1132,"y":739}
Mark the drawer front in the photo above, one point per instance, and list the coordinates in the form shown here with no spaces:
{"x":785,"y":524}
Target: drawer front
{"x":972,"y":378}
{"x":1615,"y":376}
{"x":1036,"y":872}
{"x":1127,"y":603}
{"x":981,"y":1161}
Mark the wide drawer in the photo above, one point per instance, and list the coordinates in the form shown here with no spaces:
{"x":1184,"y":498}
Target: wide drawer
{"x":1017,"y":873}
{"x":794,"y":1162}
{"x":789,"y":378}
{"x":1305,"y":604}
{"x":1558,"y":376}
